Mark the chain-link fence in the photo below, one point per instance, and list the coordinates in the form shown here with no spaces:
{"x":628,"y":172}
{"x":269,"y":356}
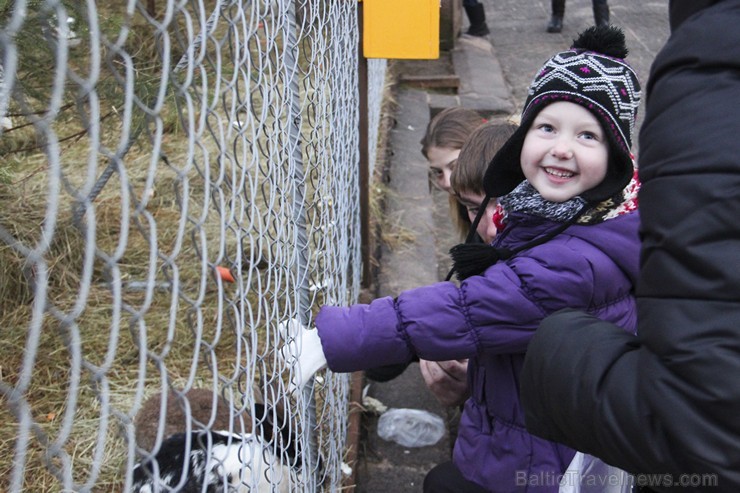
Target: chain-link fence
{"x":177,"y":178}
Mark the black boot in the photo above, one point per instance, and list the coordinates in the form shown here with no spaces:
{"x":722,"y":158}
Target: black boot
{"x":477,"y":18}
{"x":556,"y":21}
{"x":601,"y":14}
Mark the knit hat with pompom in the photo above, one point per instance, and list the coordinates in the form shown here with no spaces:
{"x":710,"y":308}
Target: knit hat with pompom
{"x":593,"y":74}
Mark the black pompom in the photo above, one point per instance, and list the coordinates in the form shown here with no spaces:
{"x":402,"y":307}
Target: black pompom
{"x":607,"y":40}
{"x":471,"y":259}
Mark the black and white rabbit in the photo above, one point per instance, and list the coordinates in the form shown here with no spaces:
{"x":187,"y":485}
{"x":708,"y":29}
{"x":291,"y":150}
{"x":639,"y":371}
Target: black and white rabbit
{"x":211,"y":458}
{"x":215,"y":462}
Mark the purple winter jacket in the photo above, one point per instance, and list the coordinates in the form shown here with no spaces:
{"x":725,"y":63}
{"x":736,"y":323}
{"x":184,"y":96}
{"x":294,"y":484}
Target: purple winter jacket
{"x":490,"y":319}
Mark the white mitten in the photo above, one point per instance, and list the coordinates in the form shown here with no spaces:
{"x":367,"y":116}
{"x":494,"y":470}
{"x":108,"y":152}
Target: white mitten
{"x":302,"y":352}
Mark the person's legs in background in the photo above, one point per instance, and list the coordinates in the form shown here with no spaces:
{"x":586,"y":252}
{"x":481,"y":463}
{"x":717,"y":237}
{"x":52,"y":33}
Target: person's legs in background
{"x":601,"y":12}
{"x":556,"y":21}
{"x":447,"y":478}
{"x":477,"y":17}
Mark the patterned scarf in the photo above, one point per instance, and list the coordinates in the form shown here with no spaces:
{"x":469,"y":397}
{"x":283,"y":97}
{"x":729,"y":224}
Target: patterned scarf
{"x":526,"y":199}
{"x":472,"y":259}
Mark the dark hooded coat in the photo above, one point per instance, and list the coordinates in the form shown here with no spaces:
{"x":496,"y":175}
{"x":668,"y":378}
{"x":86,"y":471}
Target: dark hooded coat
{"x":667,"y":402}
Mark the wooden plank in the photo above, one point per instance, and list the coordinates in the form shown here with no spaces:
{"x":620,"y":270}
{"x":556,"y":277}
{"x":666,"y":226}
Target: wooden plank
{"x":431,"y":81}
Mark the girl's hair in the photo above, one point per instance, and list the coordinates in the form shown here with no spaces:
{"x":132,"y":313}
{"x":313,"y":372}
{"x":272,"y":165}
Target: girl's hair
{"x":450,"y":128}
{"x":478,"y":151}
{"x":472,"y":163}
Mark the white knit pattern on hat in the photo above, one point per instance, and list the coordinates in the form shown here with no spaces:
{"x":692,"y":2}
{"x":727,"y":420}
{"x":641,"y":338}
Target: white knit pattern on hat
{"x":609,"y":84}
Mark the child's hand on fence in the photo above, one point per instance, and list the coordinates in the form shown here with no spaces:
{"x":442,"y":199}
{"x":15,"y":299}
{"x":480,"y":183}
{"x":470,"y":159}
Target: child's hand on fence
{"x":302,"y":353}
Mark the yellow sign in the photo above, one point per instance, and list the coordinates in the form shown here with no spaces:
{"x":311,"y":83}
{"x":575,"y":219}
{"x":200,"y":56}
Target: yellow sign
{"x":401,"y":28}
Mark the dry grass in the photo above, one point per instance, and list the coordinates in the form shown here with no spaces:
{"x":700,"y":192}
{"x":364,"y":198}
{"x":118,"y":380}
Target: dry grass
{"x":91,"y":322}
{"x":388,"y":228}
{"x":172,"y":341}
{"x":103,"y":343}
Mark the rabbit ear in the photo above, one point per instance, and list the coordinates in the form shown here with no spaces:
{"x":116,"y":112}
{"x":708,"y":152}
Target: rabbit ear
{"x":259,"y":395}
{"x":273,"y":417}
{"x":269,"y":405}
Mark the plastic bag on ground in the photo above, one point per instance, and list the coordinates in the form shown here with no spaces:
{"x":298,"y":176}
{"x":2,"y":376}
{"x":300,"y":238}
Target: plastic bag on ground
{"x":411,"y":427}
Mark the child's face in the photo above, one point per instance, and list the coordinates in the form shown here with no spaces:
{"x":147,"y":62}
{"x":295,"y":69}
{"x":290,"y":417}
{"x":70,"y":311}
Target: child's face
{"x":565,"y":152}
{"x":442,"y":161}
{"x":472,"y":201}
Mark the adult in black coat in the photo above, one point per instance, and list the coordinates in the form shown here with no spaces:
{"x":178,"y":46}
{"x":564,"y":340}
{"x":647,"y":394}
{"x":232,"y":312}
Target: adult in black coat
{"x":667,"y":402}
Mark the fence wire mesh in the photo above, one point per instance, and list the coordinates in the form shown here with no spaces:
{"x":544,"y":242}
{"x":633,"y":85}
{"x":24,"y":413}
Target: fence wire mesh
{"x":177,"y":179}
